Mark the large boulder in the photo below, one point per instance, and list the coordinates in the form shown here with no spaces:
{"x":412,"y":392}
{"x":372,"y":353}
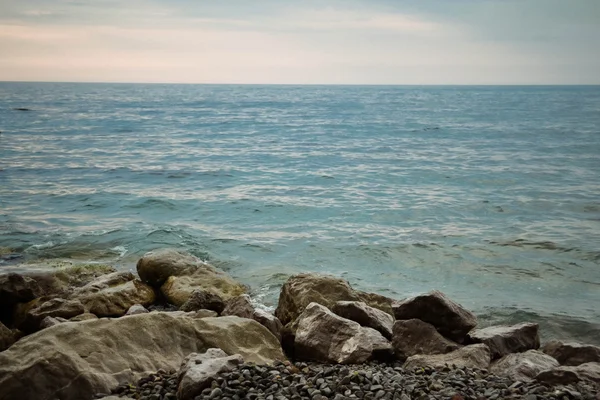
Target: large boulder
{"x":242,"y":307}
{"x":113,"y":294}
{"x":155,"y":267}
{"x":15,"y":288}
{"x":365,"y":315}
{"x":523,"y":366}
{"x":503,"y":340}
{"x":7,"y":337}
{"x":198,"y":371}
{"x":54,"y":308}
{"x":474,"y":356}
{"x":203,"y":300}
{"x":324,"y":336}
{"x":178,"y":289}
{"x":565,"y":375}
{"x":449,"y":318}
{"x":78,"y":359}
{"x":413,"y":336}
{"x":301,"y":290}
{"x":572,"y":353}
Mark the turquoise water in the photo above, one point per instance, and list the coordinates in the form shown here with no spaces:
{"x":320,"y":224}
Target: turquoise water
{"x":490,"y":194}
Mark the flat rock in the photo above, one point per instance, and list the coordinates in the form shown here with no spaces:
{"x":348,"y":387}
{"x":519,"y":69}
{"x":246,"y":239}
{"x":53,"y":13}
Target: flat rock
{"x":112,"y":295}
{"x":77,"y":360}
{"x":324,"y":336}
{"x":365,"y":315}
{"x":136,"y":309}
{"x":413,"y":336}
{"x":523,"y":366}
{"x":503,"y":340}
{"x":242,"y":307}
{"x":7,"y":337}
{"x":572,"y":353}
{"x":473,"y":356}
{"x":198,"y":371}
{"x":449,"y":318}
{"x":565,"y":375}
{"x":301,"y":290}
{"x":203,"y":300}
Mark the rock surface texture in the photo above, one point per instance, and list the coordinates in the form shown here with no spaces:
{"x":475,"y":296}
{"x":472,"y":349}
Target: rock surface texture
{"x":301,"y":290}
{"x":449,"y":318}
{"x":523,"y":366}
{"x":7,"y":337}
{"x":77,"y":360}
{"x":324,"y":336}
{"x":474,"y":356}
{"x":565,"y":375}
{"x":503,"y":340}
{"x":242,"y":307}
{"x":414,"y":336}
{"x":55,"y":308}
{"x":572,"y":353}
{"x":203,"y":300}
{"x":198,"y":371}
{"x":365,"y":315}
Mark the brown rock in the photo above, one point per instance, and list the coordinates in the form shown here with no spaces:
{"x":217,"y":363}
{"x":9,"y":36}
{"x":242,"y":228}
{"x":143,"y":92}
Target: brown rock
{"x":474,"y":356}
{"x":323,"y":336}
{"x":242,"y":307}
{"x":15,"y":288}
{"x":113,"y":294}
{"x":523,"y":366}
{"x":136,"y":309}
{"x":49,"y":322}
{"x":155,"y":267}
{"x":55,"y":308}
{"x":365,"y":315}
{"x":7,"y":337}
{"x":565,"y":375}
{"x":301,"y":290}
{"x":572,"y":353}
{"x":413,"y":336}
{"x":78,"y":359}
{"x":203,"y":300}
{"x":449,"y":318}
{"x":503,"y":340}
{"x":178,"y":289}
{"x":84,"y":317}
{"x":269,"y":321}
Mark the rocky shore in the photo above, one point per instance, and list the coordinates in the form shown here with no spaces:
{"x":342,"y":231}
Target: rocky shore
{"x":182,"y":329}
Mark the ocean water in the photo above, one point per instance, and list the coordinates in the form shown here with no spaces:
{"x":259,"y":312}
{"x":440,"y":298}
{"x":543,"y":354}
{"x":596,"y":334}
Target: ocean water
{"x":489,"y":194}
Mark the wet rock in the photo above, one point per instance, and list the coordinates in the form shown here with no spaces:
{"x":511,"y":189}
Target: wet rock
{"x":301,"y":290}
{"x":136,"y":309}
{"x":523,"y":366}
{"x":474,"y":356}
{"x":203,"y":300}
{"x":112,"y":295}
{"x":324,"y":336}
{"x":365,"y":315}
{"x":565,"y":375}
{"x":413,"y":336}
{"x":572,"y":353}
{"x":198,"y":371}
{"x":503,"y":340}
{"x":78,"y":360}
{"x":449,"y":318}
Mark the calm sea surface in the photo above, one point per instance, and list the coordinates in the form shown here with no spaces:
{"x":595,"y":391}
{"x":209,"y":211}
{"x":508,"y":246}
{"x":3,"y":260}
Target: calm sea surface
{"x":490,"y":194}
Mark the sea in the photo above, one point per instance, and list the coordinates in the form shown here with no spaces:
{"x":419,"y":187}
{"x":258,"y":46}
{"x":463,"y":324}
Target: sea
{"x":490,"y":194}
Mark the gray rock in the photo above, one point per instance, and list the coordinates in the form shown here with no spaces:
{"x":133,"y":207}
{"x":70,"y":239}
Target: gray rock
{"x":474,"y":356}
{"x":572,"y":354}
{"x":136,"y":309}
{"x":57,"y":308}
{"x":7,"y":337}
{"x":413,"y":336}
{"x":324,"y":336}
{"x":242,"y":307}
{"x":503,"y":340}
{"x":84,"y":317}
{"x":365,"y":315}
{"x":565,"y":375}
{"x":203,"y":300}
{"x":205,"y":314}
{"x":523,"y":366}
{"x":198,"y":371}
{"x":51,"y":321}
{"x":449,"y":318}
{"x":269,"y":321}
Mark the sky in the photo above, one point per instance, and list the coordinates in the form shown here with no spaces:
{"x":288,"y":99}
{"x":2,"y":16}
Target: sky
{"x":412,"y":42}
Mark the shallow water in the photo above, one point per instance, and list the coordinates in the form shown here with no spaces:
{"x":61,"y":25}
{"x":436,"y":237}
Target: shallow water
{"x":490,"y":194}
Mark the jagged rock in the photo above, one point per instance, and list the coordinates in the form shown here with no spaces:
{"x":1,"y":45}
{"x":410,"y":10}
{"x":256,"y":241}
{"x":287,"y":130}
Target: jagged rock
{"x":572,"y":354}
{"x":301,"y":290}
{"x":198,"y":371}
{"x":565,"y":375}
{"x":413,"y":336}
{"x":449,"y":318}
{"x":523,"y":366}
{"x":503,"y":340}
{"x":242,"y":307}
{"x":365,"y":315}
{"x":7,"y":337}
{"x":77,"y":360}
{"x":324,"y":336}
{"x":56,"y":308}
{"x":136,"y":309}
{"x":113,"y":294}
{"x":474,"y":356}
{"x":51,"y":321}
{"x":203,"y":300}
{"x":84,"y":317}
{"x":15,"y":288}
